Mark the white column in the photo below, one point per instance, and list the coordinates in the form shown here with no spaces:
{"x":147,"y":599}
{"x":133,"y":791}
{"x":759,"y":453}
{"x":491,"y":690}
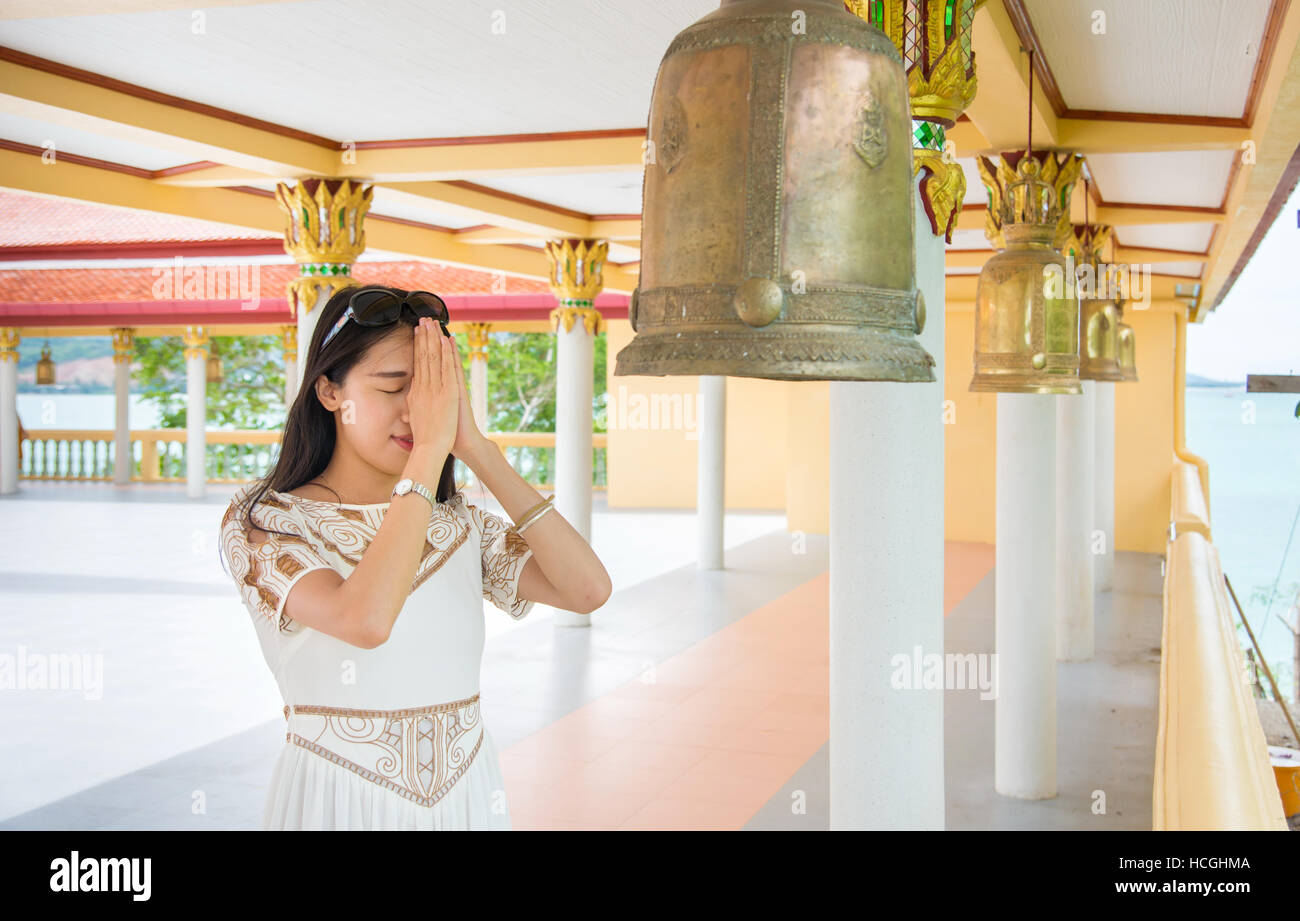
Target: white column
{"x":886,"y":582}
{"x":290,"y":378}
{"x":306,"y":327}
{"x":9,"y":340}
{"x":1104,"y":520}
{"x":1024,"y":752}
{"x":124,"y":460}
{"x":1076,"y":426}
{"x":573,"y":443}
{"x":711,"y":486}
{"x":478,"y":389}
{"x":196,"y":381}
{"x":573,"y":395}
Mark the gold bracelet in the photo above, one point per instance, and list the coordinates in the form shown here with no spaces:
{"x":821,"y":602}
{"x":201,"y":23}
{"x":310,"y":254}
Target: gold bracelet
{"x":524,"y":516}
{"x":533,"y":513}
{"x":531,"y":521}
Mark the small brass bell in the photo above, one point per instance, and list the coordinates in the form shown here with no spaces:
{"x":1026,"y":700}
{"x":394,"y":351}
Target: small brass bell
{"x":777,"y":223}
{"x":1026,"y":310}
{"x":1099,"y":341}
{"x":45,"y":366}
{"x":214,"y":373}
{"x":1127,"y":351}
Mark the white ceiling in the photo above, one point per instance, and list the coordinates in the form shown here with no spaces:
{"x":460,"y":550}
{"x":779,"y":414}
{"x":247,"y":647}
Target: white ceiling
{"x":1185,"y":177}
{"x":590,"y":193}
{"x":1178,"y":57}
{"x":1193,"y":238}
{"x":385,"y":69}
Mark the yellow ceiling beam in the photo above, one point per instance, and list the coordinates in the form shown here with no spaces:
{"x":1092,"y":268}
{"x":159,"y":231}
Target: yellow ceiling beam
{"x":617,"y":230}
{"x":497,"y":159}
{"x":972,"y":217}
{"x":1000,"y":108}
{"x":484,"y":207}
{"x":26,"y":173}
{"x":59,"y":100}
{"x":1132,"y":255}
{"x":962,"y":288}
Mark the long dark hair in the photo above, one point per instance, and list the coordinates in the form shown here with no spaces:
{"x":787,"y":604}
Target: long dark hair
{"x":309,"y":434}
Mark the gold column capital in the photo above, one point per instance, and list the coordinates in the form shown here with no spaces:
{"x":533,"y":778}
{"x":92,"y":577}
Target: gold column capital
{"x":289,"y":333}
{"x":123,"y":344}
{"x":325,"y":234}
{"x":933,"y":37}
{"x":9,"y":339}
{"x":477,"y":334}
{"x":592,"y":321}
{"x":196,"y":341}
{"x":576,"y":270}
{"x":943,"y":189}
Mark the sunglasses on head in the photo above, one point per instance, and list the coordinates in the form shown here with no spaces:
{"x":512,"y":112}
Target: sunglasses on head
{"x":383,"y":307}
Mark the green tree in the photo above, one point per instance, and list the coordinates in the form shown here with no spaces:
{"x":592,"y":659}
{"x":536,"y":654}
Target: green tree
{"x":250,"y":396}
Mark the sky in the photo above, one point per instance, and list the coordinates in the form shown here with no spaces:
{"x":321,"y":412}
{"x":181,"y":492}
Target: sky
{"x":1256,"y":329}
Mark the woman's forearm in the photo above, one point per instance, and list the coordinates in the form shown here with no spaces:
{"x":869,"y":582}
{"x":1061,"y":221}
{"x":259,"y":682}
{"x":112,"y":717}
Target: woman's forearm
{"x":563,"y":555}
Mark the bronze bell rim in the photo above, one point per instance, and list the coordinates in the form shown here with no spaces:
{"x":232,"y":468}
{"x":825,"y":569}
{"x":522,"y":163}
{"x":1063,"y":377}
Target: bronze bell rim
{"x":984,"y":385}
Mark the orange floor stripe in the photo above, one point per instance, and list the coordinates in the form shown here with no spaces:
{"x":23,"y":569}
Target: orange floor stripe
{"x":708,"y":736}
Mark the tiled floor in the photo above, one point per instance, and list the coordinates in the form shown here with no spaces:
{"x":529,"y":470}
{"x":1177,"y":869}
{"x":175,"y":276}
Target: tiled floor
{"x":695,"y":699}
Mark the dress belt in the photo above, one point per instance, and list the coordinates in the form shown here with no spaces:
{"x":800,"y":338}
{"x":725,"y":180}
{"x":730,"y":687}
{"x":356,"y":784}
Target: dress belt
{"x":418,"y":753}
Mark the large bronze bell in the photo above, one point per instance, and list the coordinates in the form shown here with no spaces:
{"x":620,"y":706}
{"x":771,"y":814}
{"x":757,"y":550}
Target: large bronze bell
{"x":777,"y":223}
{"x":1026,"y":310}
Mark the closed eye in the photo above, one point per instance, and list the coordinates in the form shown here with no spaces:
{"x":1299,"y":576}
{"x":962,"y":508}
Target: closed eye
{"x":393,"y":391}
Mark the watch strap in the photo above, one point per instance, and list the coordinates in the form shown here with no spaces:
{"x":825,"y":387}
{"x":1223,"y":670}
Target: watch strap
{"x":418,"y":487}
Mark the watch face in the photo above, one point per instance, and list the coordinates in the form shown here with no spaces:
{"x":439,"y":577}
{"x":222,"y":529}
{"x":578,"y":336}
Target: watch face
{"x":403,"y":487}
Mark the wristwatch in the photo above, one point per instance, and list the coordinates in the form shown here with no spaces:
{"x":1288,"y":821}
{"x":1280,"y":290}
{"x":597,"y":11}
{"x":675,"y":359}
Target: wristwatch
{"x":406,"y":484}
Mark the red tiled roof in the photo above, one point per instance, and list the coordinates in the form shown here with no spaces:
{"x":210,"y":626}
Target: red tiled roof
{"x":35,"y":220}
{"x":76,"y":286}
{"x":126,"y":296}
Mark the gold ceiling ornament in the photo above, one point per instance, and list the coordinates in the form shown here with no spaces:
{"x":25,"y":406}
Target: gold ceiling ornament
{"x":576,"y":278}
{"x":1026,"y":312}
{"x":196,"y":342}
{"x":934,"y":39}
{"x":9,"y":339}
{"x":1061,"y":170}
{"x":325,"y":234}
{"x":123,"y":344}
{"x":749,"y":269}
{"x":478,"y":335}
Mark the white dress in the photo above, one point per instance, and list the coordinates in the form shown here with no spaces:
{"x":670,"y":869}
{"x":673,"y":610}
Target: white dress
{"x":390,"y":737}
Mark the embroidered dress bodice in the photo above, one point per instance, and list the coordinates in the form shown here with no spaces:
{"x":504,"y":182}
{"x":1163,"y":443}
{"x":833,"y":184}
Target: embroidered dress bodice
{"x":402,"y":716}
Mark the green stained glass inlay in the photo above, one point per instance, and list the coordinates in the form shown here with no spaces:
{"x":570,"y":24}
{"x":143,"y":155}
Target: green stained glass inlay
{"x":928,"y":135}
{"x":949,"y":10}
